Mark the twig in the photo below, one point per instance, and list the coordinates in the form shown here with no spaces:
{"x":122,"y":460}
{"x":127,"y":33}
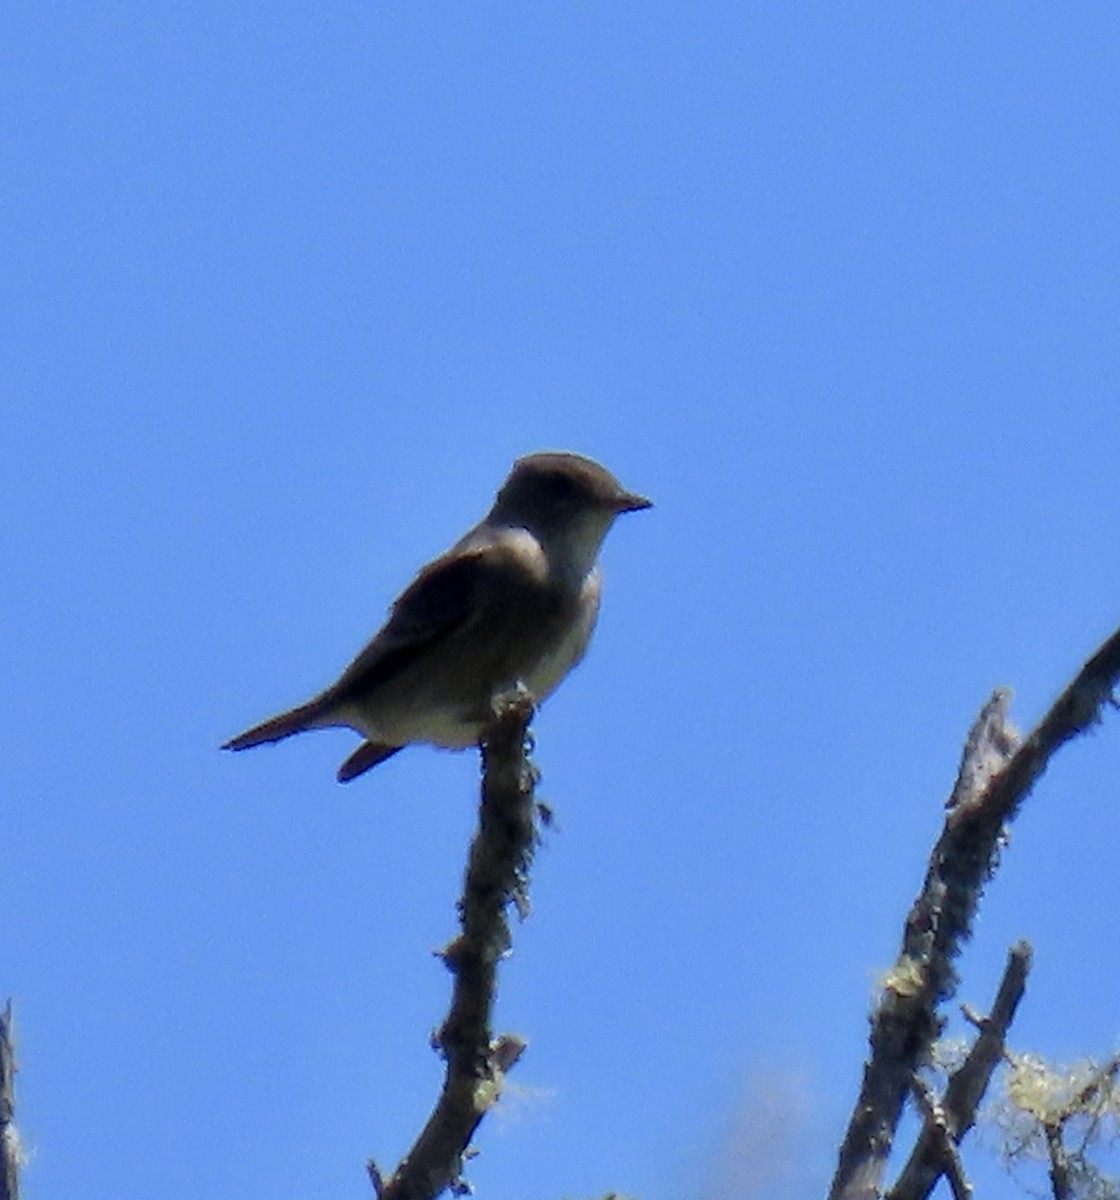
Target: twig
{"x":995,"y":777}
{"x":10,"y":1156}
{"x":1097,"y":1093}
{"x":968,"y":1083}
{"x":497,"y":875}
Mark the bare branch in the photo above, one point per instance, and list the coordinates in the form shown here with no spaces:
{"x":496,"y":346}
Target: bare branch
{"x":938,"y":1128}
{"x":10,"y":1156}
{"x":996,"y":774}
{"x":968,"y":1083}
{"x":497,"y":875}
{"x":1059,"y":1164}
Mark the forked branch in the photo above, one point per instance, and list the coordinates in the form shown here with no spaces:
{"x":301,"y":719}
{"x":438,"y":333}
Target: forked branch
{"x":997,"y":773}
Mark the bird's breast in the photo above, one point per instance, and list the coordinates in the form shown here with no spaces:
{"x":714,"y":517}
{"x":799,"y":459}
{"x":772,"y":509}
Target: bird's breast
{"x":568,"y":643}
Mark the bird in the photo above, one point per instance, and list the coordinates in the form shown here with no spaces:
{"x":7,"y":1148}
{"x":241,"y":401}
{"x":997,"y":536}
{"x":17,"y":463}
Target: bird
{"x":512,"y":604}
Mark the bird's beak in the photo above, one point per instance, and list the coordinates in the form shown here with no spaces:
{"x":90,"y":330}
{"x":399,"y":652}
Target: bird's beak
{"x":632,"y":502}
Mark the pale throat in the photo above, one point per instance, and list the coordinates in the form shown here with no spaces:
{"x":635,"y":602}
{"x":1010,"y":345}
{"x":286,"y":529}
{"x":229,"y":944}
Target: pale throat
{"x":573,"y":550}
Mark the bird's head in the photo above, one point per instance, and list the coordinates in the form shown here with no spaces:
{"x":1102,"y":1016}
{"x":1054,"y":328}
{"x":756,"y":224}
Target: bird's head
{"x":566,"y":500}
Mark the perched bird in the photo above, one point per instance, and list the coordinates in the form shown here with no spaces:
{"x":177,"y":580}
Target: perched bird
{"x":513,"y":602}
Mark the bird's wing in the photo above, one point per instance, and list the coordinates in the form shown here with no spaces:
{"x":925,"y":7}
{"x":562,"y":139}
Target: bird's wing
{"x":445,"y":597}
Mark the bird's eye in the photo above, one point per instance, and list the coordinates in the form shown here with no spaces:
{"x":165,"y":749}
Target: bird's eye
{"x":564,"y":490}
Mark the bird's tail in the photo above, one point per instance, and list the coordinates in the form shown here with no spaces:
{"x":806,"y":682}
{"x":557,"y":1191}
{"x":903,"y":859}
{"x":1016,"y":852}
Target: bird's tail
{"x":307,"y":716}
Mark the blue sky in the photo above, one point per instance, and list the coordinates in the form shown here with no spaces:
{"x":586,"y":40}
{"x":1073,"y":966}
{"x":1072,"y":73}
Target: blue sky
{"x":284,"y":290}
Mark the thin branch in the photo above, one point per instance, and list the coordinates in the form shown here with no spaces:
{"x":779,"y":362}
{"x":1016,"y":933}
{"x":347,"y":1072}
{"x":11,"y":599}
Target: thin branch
{"x":10,"y":1156}
{"x":938,"y":1128}
{"x":968,"y":1083}
{"x":997,"y":773}
{"x":497,"y":875}
{"x":1097,"y":1093}
{"x":1060,"y":1182}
